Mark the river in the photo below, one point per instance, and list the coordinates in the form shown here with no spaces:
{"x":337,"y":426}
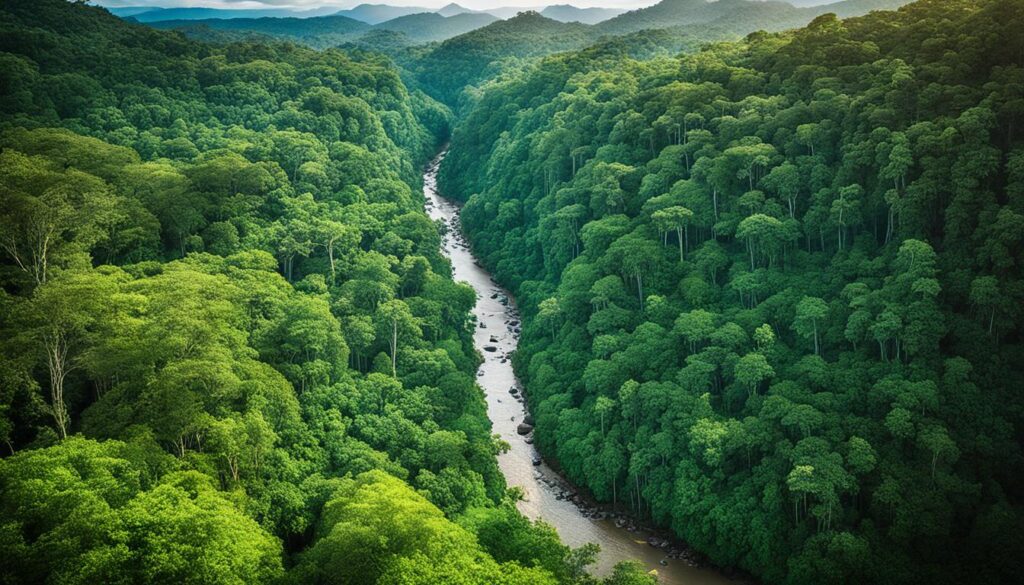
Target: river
{"x":544,"y":491}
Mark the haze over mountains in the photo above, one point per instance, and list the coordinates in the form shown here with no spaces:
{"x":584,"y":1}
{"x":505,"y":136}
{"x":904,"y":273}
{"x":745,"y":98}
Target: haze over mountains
{"x":368,"y":13}
{"x":376,"y":13}
{"x":754,"y":298}
{"x":327,"y":26}
{"x":454,"y":48}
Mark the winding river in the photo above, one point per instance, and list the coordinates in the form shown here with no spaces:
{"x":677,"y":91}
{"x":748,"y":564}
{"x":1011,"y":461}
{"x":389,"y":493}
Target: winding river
{"x":546,"y":495}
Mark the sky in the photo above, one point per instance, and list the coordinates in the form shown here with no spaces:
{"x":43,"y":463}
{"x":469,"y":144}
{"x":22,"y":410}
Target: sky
{"x":341,"y":4}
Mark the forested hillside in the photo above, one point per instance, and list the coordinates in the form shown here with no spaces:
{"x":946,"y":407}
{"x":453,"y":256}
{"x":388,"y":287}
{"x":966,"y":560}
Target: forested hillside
{"x":751,"y":15}
{"x":329,"y":31}
{"x":322,"y":32}
{"x":772,"y":290}
{"x":428,"y":27}
{"x":230,"y":349}
{"x":485,"y":53}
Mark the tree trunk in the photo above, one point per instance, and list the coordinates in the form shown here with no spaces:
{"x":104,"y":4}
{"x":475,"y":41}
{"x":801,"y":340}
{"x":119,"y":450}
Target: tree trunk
{"x":640,"y":289}
{"x":330,"y":257}
{"x":394,"y":348}
{"x":56,"y":361}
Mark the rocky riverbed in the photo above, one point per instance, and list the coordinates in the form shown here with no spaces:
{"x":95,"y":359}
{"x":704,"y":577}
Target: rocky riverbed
{"x":546,"y":495}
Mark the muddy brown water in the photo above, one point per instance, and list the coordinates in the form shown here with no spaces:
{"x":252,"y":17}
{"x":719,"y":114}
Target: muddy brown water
{"x":542,"y":487}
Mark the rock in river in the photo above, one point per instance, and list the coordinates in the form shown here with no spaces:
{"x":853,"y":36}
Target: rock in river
{"x":524,"y":429}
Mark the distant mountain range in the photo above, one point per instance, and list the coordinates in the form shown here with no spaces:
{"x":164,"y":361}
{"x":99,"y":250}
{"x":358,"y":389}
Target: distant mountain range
{"x":368,"y":13}
{"x":327,"y":31}
{"x":434,"y":26}
{"x":148,"y":14}
{"x":570,"y":13}
{"x":739,"y":15}
{"x":378,"y":13}
{"x":476,"y":38}
{"x":321,"y":31}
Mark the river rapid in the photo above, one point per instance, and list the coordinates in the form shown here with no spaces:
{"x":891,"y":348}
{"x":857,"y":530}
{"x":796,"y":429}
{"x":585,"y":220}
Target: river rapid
{"x":546,"y":495}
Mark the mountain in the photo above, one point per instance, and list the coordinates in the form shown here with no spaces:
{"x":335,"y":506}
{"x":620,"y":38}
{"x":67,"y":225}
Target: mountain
{"x":432,"y":26}
{"x":162,"y":14}
{"x":848,"y":8}
{"x":585,"y":171}
{"x":506,"y":12}
{"x":453,"y":9}
{"x":199,"y":30}
{"x":322,"y":31}
{"x":742,"y":16}
{"x":670,"y":13}
{"x":570,"y":13}
{"x":126,"y":11}
{"x":329,"y":31}
{"x":467,"y":59}
{"x":378,"y":13}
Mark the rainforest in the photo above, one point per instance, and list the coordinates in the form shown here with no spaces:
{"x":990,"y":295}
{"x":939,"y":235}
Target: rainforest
{"x":754,"y":272}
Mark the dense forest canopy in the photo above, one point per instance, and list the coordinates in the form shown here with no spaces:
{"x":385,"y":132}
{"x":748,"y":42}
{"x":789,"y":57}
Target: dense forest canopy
{"x":230,"y":348}
{"x":771,"y":289}
{"x":453,"y":50}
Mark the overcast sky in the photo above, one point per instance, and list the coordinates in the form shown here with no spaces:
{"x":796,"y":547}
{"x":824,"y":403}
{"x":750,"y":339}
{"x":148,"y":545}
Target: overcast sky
{"x":307,"y":4}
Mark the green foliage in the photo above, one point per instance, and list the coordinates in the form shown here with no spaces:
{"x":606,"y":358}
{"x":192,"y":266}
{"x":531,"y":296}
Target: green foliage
{"x":764,"y":283}
{"x":87,"y":512}
{"x":376,"y":530}
{"x":770,"y":289}
{"x":204,"y":250}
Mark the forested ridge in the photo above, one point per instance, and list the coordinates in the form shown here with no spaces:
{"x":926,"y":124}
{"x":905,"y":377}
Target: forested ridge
{"x":452,"y":53}
{"x":772,"y":289}
{"x":771,"y":293}
{"x":230,"y":348}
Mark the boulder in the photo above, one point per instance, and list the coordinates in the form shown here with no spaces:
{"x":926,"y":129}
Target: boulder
{"x":524,"y":428}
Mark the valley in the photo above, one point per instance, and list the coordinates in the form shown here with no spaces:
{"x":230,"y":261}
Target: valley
{"x":699,"y":292}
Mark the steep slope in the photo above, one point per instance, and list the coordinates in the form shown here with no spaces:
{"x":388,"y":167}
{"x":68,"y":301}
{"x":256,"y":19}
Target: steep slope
{"x":470,"y":58}
{"x":270,"y":371}
{"x":739,"y":15}
{"x":772,"y":291}
{"x":432,"y":26}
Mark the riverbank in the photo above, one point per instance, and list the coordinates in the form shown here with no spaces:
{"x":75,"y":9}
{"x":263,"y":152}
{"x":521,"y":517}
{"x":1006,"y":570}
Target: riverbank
{"x":496,"y":337}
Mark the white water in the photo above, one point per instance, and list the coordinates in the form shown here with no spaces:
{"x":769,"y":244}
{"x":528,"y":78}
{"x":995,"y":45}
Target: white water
{"x":541,"y":486}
